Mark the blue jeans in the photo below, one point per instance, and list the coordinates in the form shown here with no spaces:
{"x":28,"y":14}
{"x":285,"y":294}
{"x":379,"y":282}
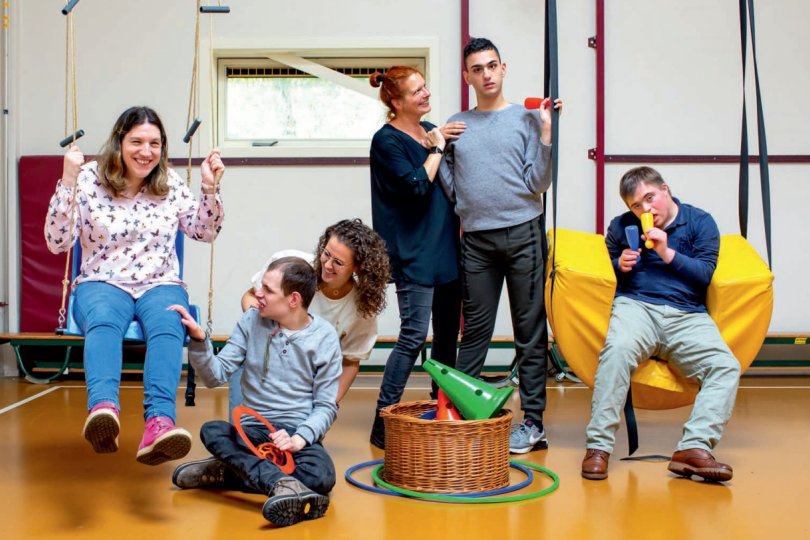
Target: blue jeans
{"x":104,"y":312}
{"x":416,"y":303}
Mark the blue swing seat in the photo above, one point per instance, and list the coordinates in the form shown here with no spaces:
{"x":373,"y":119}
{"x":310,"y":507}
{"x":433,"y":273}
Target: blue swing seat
{"x":134,"y":331}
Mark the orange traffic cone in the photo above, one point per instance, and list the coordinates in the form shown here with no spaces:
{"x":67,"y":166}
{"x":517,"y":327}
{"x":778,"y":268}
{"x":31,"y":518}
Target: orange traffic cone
{"x":446,"y":410}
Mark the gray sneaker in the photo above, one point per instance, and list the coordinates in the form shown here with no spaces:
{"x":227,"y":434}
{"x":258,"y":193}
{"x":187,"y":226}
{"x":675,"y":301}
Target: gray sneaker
{"x":206,"y":473}
{"x":524,"y":436}
{"x":292,"y":502}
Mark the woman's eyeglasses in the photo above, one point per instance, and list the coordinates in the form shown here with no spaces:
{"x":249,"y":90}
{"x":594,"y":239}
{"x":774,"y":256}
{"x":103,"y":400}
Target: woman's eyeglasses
{"x":325,"y":256}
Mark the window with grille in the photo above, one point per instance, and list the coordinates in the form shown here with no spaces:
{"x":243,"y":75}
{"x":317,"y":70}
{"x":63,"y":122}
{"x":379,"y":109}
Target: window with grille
{"x":264,"y":102}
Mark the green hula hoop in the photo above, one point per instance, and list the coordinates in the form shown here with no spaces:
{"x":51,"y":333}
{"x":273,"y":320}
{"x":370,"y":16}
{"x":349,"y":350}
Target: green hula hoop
{"x":465,"y":500}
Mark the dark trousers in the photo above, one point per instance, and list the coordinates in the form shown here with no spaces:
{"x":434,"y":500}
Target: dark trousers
{"x":416,"y":304}
{"x":516,"y":254}
{"x":313,"y":466}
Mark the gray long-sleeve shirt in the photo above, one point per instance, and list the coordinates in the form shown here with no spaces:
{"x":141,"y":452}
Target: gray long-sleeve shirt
{"x":300,"y":383}
{"x":498,"y":168}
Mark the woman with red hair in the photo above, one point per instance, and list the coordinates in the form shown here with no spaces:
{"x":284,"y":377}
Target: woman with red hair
{"x":415,"y":218}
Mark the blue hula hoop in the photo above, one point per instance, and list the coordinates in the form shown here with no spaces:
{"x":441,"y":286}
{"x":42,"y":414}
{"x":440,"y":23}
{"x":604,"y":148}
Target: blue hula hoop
{"x":501,"y":491}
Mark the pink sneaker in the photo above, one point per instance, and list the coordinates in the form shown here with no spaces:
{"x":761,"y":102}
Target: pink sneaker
{"x":102,"y":427}
{"x":163,"y":442}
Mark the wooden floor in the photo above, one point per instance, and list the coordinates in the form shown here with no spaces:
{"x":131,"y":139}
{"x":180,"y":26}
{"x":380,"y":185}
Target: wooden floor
{"x":53,"y":485}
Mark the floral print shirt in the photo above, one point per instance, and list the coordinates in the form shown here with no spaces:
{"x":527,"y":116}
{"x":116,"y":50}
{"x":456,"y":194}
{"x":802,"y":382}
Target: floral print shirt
{"x":129,"y":243}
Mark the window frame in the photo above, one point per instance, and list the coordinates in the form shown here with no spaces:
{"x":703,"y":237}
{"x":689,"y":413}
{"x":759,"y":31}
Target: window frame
{"x":252,"y":52}
{"x":344,"y":62}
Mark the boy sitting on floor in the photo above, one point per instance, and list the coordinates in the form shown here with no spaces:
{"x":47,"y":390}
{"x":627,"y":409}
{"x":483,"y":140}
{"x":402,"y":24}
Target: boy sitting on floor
{"x":292,"y":365}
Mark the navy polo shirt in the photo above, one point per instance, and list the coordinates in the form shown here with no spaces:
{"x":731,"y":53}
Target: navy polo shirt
{"x":683,"y":282}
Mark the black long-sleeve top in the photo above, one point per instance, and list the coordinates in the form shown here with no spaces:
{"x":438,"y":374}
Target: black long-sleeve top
{"x":411,"y":213}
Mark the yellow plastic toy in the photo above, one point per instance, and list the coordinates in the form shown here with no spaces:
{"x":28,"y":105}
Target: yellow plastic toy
{"x":647,"y":222}
{"x":739,"y":300}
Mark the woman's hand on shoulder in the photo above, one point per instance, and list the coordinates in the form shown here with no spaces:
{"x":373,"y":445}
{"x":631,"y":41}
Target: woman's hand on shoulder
{"x":212,"y":170}
{"x":451,"y":130}
{"x":74,"y":159}
{"x":435,"y":138}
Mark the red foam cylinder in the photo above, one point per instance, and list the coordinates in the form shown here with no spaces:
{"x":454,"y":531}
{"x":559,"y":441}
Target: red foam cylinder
{"x":533,"y":102}
{"x":446,"y":410}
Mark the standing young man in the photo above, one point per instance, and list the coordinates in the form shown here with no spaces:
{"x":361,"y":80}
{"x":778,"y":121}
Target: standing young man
{"x":496,"y":173}
{"x":660,"y":310}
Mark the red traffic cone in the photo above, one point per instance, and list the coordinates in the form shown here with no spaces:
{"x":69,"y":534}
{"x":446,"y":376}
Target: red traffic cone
{"x":446,"y":410}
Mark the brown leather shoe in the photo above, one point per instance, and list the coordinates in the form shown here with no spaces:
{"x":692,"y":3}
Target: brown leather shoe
{"x":595,"y":464}
{"x":701,"y":463}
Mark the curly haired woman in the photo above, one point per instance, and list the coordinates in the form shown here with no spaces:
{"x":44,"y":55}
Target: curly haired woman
{"x":351,"y":261}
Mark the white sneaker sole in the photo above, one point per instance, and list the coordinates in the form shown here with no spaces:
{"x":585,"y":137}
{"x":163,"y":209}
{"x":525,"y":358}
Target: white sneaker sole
{"x":101,"y":430}
{"x":527,"y":449}
{"x":170,"y":446}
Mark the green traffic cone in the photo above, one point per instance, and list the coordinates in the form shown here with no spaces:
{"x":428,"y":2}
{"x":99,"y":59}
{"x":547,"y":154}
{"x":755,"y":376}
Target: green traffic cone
{"x":476,"y":400}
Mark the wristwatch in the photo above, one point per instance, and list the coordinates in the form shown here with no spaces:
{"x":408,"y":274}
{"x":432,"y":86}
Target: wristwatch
{"x":435,"y":150}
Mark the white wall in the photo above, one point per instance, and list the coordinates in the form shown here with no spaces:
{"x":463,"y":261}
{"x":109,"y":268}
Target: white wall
{"x":673,"y":87}
{"x":9,"y":149}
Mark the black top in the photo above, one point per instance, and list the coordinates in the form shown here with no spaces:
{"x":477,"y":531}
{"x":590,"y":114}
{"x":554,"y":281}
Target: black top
{"x":683,"y":282}
{"x":411,"y":213}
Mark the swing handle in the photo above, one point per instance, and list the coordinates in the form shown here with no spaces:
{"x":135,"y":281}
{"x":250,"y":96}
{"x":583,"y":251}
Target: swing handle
{"x":68,"y":8}
{"x":212,"y":9}
{"x":192,"y":130}
{"x":73,"y":138}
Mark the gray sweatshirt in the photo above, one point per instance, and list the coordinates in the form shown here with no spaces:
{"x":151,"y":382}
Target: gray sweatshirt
{"x":497,"y":170}
{"x":300,"y":383}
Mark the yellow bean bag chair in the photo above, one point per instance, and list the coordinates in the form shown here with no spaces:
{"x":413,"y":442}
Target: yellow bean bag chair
{"x":739,"y":299}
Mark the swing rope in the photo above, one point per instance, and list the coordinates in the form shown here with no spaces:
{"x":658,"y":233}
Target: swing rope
{"x":192,"y":102}
{"x":192,"y":114}
{"x":210,"y":323}
{"x":70,"y":83}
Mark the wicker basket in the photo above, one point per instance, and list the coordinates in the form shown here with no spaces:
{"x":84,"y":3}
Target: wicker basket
{"x":445,"y":456}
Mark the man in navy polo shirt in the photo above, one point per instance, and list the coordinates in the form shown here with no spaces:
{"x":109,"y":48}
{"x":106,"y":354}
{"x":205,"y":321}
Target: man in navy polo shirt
{"x":660,"y":310}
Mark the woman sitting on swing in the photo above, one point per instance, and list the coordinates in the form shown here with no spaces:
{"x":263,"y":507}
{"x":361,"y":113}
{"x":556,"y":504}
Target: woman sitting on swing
{"x":127,"y":213}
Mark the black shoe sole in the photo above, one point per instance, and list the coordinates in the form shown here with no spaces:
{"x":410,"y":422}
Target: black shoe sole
{"x":290,"y":510}
{"x":200,"y":484}
{"x":594,"y":476}
{"x":708,"y":474}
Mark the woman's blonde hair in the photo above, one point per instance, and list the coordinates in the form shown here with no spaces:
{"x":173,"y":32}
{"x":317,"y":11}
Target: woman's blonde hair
{"x":111,"y":169}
